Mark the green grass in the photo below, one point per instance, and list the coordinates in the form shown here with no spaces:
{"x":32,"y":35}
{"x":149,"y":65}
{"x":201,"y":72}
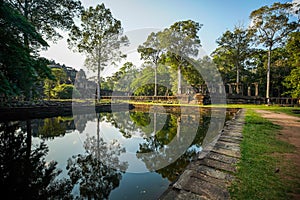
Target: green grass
{"x":275,"y":108}
{"x":256,"y":177}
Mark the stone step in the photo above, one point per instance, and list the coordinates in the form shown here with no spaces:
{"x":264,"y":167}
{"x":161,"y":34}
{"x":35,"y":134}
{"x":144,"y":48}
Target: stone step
{"x":206,"y":189}
{"x":217,"y":164}
{"x":228,"y":152}
{"x":222,"y":158}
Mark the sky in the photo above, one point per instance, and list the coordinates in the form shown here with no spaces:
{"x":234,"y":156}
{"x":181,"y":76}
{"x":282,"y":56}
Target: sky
{"x":141,"y":17}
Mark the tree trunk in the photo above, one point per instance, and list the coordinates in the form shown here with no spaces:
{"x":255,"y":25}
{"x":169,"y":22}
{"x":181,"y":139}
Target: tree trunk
{"x":237,"y":79}
{"x":27,"y":169}
{"x":155,"y":80}
{"x":154,"y":122}
{"x":98,"y":81}
{"x":98,"y":86}
{"x":179,"y":90}
{"x":178,"y":127}
{"x":28,"y":138}
{"x":268,"y":76}
{"x":98,"y":136}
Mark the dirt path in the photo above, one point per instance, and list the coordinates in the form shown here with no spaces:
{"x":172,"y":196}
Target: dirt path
{"x":290,"y":133}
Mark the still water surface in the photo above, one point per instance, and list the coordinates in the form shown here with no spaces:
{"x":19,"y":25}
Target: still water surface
{"x":118,"y":155}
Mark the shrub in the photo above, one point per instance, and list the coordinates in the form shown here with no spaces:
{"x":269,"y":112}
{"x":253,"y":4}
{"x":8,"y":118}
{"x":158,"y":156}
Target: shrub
{"x":65,"y":91}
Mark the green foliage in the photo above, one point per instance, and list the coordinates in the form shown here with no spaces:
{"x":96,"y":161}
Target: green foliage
{"x":122,"y":79}
{"x":143,"y":84}
{"x":194,"y":71}
{"x":140,"y":118}
{"x":65,"y":91}
{"x":22,"y":23}
{"x":19,"y":69}
{"x":58,"y":77}
{"x":151,"y":52}
{"x":292,"y":82}
{"x":293,"y":49}
{"x":152,"y":48}
{"x":233,"y":53}
{"x":273,"y":23}
{"x":181,"y":43}
{"x":48,"y":16}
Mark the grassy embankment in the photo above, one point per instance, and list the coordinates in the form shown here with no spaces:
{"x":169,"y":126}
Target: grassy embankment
{"x":263,"y":172}
{"x":274,"y":108}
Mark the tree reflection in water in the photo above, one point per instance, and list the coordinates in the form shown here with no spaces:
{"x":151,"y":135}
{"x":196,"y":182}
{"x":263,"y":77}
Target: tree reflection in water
{"x":158,"y":130}
{"x":52,"y":128}
{"x":99,"y":170}
{"x":24,"y":172}
{"x":175,"y":127}
{"x":123,"y":122}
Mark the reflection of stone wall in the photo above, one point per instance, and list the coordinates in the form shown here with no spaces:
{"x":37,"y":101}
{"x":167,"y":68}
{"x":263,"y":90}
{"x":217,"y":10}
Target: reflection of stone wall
{"x":81,"y":121}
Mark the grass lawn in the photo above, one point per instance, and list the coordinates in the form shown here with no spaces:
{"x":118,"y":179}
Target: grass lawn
{"x":262,"y":172}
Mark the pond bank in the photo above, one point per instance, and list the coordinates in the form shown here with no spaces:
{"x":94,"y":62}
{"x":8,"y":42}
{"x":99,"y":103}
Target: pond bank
{"x":46,"y":109}
{"x":211,"y":174}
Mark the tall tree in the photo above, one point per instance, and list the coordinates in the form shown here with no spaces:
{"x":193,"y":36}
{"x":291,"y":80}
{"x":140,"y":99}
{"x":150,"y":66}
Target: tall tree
{"x":151,"y":51}
{"x":233,"y":51}
{"x":46,"y":17}
{"x":15,"y":57}
{"x":100,"y":37}
{"x":181,"y":43}
{"x":273,"y":24}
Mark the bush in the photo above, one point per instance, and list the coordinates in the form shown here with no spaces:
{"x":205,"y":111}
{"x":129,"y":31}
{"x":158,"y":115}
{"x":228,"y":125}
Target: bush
{"x":65,"y":91}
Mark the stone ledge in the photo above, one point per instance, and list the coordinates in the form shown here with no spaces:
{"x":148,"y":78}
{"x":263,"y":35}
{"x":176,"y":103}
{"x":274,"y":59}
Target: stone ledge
{"x":211,"y":174}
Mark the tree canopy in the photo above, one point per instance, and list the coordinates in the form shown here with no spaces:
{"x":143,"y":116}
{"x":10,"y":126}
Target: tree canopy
{"x":182,"y":43}
{"x":48,"y":16}
{"x":151,"y":52}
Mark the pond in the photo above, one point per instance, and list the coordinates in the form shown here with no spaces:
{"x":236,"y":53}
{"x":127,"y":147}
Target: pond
{"x":133,"y":154}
